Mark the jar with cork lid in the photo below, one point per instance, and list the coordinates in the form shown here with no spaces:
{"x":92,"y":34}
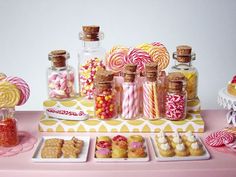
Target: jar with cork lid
{"x":60,"y":76}
{"x":176,"y":97}
{"x":8,"y":128}
{"x":130,"y":93}
{"x":105,"y":96}
{"x":91,"y":59}
{"x":150,"y":92}
{"x":183,"y":63}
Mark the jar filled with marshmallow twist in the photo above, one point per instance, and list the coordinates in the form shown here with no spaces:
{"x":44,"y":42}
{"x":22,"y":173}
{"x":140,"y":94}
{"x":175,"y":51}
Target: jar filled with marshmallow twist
{"x":176,"y":97}
{"x":91,"y":59}
{"x":105,"y":96}
{"x":60,"y":76}
{"x":183,"y":63}
{"x":8,"y":128}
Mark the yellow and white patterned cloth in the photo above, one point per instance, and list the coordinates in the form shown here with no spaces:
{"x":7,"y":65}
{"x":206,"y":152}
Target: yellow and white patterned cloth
{"x":193,"y":122}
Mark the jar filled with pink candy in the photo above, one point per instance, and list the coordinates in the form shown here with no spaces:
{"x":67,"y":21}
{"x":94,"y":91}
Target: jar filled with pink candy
{"x":91,"y":59}
{"x":61,"y":77}
{"x":176,"y":97}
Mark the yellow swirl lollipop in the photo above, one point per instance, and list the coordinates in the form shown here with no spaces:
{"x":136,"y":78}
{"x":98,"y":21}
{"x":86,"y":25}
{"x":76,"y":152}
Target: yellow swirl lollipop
{"x":9,"y":95}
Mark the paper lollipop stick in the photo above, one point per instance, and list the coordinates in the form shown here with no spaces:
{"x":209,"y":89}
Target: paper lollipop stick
{"x":9,"y":95}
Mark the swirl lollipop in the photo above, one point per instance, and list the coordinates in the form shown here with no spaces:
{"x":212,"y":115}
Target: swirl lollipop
{"x":145,"y":47}
{"x":115,"y":59}
{"x":2,"y":76}
{"x":138,"y":57}
{"x":23,"y":88}
{"x":9,"y":95}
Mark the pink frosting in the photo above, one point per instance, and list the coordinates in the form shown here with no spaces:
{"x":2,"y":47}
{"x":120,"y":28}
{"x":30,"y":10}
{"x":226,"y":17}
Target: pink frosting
{"x":136,"y":145}
{"x":104,"y":151}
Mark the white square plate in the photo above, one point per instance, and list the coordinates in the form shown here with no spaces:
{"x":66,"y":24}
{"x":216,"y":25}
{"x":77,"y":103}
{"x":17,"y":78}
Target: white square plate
{"x":82,"y":157}
{"x":159,"y":157}
{"x":122,"y":160}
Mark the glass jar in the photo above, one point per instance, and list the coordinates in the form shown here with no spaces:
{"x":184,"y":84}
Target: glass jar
{"x":183,"y":64}
{"x":176,"y":97}
{"x":60,"y":76}
{"x":130,"y":96}
{"x":105,"y":101}
{"x":162,"y":92}
{"x":91,"y":59}
{"x":8,"y":128}
{"x":151,"y":93}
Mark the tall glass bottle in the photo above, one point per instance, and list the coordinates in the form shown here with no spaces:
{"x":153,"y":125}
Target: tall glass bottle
{"x":130,"y":95}
{"x":91,"y":59}
{"x":176,"y":97}
{"x":183,"y":64}
{"x":61,"y":77}
{"x":150,"y":93}
{"x":8,"y":128}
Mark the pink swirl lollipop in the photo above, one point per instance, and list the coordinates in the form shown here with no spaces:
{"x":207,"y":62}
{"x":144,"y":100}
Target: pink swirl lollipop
{"x":138,"y":57}
{"x":115,"y":58}
{"x":23,"y":88}
{"x":219,"y":138}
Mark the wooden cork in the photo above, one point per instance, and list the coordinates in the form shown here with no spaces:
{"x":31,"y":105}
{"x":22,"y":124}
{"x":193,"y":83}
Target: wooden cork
{"x":58,"y":58}
{"x":151,"y":67}
{"x":176,"y":81}
{"x":91,"y":33}
{"x":129,"y":76}
{"x":176,"y":76}
{"x":151,"y":76}
{"x":184,"y":53}
{"x":103,"y":76}
{"x":130,"y":68}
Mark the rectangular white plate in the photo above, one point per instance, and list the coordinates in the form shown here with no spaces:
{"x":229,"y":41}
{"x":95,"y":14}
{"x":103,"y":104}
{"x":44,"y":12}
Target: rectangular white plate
{"x":82,"y":157}
{"x":158,"y":157}
{"x":122,"y":160}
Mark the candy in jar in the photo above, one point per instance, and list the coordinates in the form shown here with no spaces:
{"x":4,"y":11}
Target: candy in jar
{"x":8,"y":128}
{"x":130,"y":95}
{"x":91,"y":59}
{"x":61,"y":77}
{"x":150,"y":93}
{"x":105,"y":96}
{"x":184,"y":57}
{"x":176,"y":97}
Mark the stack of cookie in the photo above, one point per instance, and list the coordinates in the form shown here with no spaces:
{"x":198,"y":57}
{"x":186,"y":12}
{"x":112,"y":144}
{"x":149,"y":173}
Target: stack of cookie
{"x":176,"y":145}
{"x":56,"y":148}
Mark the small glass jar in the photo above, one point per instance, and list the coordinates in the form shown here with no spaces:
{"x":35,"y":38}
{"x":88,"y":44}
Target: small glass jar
{"x":176,"y":97}
{"x":162,"y":92}
{"x":183,"y":64}
{"x":8,"y":128}
{"x":91,"y":59}
{"x":151,"y":106}
{"x":130,"y":96}
{"x":60,"y":76}
{"x":105,"y":96}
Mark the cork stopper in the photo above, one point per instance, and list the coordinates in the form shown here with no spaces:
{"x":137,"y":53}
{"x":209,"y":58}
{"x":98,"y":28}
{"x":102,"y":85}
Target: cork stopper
{"x":90,"y":33}
{"x":58,"y":57}
{"x":103,"y":76}
{"x":151,"y":67}
{"x":184,"y":53}
{"x":176,"y":81}
{"x":129,"y":76}
{"x":130,"y":68}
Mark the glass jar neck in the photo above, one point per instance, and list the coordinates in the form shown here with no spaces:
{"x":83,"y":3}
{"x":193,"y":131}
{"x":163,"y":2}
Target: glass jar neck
{"x":91,"y":44}
{"x":188,"y":64}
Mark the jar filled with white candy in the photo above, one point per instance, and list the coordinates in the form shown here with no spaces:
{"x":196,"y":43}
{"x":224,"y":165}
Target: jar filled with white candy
{"x":61,"y":77}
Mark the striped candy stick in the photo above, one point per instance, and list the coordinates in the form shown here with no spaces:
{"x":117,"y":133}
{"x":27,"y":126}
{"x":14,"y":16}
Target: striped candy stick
{"x":136,"y":101}
{"x":155,"y":97}
{"x":125,"y":100}
{"x":146,"y":100}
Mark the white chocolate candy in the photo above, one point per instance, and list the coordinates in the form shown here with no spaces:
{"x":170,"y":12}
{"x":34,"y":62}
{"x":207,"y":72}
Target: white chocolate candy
{"x":195,"y":145}
{"x":162,"y":140}
{"x":191,"y":138}
{"x":177,"y":140}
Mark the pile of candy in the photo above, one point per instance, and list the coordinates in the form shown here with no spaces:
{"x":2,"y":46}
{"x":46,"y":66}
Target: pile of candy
{"x":105,"y":105}
{"x":87,"y":74}
{"x":175,"y":106}
{"x":118,"y":56}
{"x":61,"y":85}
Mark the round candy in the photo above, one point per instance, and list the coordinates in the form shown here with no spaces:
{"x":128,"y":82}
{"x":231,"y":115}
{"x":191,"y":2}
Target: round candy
{"x":22,"y":86}
{"x":9,"y":95}
{"x":138,"y":57}
{"x":2,"y":76}
{"x":219,"y":138}
{"x":115,"y":59}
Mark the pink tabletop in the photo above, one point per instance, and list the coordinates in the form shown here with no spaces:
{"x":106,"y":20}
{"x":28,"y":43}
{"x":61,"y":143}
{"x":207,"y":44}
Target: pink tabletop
{"x":219,"y":165}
